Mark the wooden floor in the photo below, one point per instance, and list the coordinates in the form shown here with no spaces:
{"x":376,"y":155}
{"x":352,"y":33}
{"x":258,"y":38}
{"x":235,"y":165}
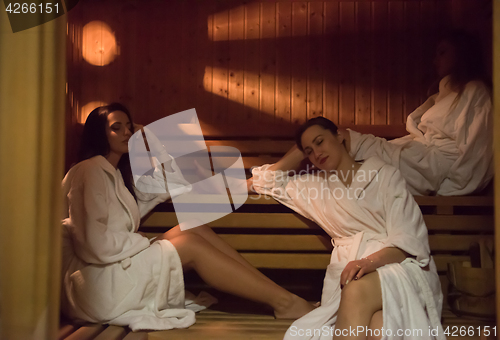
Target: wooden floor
{"x":217,"y":325}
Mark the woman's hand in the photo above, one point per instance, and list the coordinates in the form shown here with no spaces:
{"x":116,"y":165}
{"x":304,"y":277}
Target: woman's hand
{"x":356,"y":269}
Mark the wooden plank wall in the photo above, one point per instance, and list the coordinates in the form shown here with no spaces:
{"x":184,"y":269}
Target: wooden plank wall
{"x":248,"y":63}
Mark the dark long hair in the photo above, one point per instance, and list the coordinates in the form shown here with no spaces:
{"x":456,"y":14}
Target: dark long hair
{"x":469,"y":62}
{"x":325,"y":123}
{"x":94,"y":140}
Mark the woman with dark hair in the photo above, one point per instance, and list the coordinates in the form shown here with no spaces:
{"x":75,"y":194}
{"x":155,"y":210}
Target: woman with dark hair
{"x":113,"y":274}
{"x":449,"y":147}
{"x":381,"y":281}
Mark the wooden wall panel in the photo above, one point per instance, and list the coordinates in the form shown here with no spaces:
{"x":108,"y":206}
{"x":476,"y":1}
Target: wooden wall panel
{"x":347,"y":63}
{"x":332,"y":53}
{"x":380,"y":62}
{"x":220,"y":66}
{"x":258,"y":62}
{"x":252,"y":82}
{"x":364,"y":68}
{"x":236,"y":57}
{"x":283,"y":62}
{"x":396,"y":71}
{"x":315,"y":82}
{"x":267,"y":61}
{"x":299,"y":46}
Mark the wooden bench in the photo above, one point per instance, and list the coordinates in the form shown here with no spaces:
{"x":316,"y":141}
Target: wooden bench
{"x":276,"y":240}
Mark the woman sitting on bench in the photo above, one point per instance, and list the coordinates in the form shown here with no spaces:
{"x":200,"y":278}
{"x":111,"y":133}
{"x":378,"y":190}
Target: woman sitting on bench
{"x":381,"y":273}
{"x":448,"y":151}
{"x":111,"y":273}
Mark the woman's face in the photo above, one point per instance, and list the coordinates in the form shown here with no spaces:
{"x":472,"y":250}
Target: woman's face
{"x":445,"y":58}
{"x":322,"y":147}
{"x":118,"y":131}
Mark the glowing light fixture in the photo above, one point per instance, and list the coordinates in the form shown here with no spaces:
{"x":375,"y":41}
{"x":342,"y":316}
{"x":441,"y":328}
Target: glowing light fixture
{"x":99,"y":44}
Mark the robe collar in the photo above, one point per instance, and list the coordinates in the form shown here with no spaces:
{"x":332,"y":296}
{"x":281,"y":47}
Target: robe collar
{"x":106,"y":165}
{"x":124,"y":197}
{"x":367,"y":173}
{"x":444,"y":88}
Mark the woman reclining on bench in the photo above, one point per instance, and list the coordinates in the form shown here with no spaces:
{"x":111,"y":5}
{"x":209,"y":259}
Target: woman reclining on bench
{"x":111,"y":273}
{"x":448,"y":151}
{"x":381,"y":273}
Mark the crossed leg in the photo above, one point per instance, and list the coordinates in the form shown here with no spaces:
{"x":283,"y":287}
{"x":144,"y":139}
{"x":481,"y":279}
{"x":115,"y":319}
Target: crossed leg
{"x":360,"y":305}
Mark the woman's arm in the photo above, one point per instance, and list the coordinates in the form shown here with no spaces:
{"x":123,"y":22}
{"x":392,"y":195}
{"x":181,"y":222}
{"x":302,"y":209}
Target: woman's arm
{"x":291,"y":160}
{"x":356,"y":269}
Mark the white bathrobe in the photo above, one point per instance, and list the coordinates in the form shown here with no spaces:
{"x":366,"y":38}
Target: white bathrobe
{"x":448,"y":150}
{"x":375,"y":212}
{"x":111,"y":274}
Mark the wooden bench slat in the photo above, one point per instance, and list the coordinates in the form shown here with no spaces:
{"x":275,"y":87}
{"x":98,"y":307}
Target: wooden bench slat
{"x":86,"y":332}
{"x":295,"y":221}
{"x":239,"y":220}
{"x":255,"y":146}
{"x":112,"y":333}
{"x":288,"y":261}
{"x":136,"y":336}
{"x":470,"y":201}
{"x":305,"y":243}
{"x":474,"y":223}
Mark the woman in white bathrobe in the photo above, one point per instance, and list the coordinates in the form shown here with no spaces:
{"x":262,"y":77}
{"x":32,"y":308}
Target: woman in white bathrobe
{"x":111,"y":273}
{"x":448,"y":150}
{"x":381,"y":275}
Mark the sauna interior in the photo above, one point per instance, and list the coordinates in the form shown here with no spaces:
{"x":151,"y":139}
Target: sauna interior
{"x":254,"y":71}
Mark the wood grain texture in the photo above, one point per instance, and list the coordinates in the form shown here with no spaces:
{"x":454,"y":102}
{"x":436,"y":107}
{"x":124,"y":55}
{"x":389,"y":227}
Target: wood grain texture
{"x":267,"y":63}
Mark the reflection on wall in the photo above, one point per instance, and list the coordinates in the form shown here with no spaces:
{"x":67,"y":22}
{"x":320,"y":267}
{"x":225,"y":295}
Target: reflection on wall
{"x":85,"y":110}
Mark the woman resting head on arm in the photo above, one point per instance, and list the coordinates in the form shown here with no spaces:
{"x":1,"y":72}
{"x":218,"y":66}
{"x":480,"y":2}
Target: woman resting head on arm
{"x":381,"y":252}
{"x":112,"y":274}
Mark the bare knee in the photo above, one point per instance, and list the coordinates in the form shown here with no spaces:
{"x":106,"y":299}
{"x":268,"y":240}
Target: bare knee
{"x":202,"y":230}
{"x":355,"y":293}
{"x":363,"y":294}
{"x":189,"y":246}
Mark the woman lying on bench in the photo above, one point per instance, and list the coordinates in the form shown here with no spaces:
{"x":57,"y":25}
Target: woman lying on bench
{"x":381,"y":273}
{"x":448,"y":150}
{"x":112,"y":274}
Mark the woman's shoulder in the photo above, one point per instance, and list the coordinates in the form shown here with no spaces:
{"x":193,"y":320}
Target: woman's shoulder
{"x":477,"y":85}
{"x":88,"y":169}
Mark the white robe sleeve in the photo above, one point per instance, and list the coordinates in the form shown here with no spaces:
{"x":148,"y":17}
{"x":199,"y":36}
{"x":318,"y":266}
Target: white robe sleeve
{"x":283,"y":188}
{"x":161,"y":186}
{"x":93,"y":241}
{"x":405,"y":224}
{"x":474,"y":167}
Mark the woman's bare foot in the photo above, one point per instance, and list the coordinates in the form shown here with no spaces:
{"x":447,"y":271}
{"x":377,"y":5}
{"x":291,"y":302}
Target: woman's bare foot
{"x":293,"y":308}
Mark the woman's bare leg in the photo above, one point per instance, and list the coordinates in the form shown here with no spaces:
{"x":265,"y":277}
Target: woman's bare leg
{"x":376,"y":323}
{"x":359,"y":301}
{"x":209,"y":235}
{"x":226,"y":274}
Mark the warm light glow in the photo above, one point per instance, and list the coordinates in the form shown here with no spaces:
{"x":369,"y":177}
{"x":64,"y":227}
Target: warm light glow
{"x":233,"y":23}
{"x":85,"y":110}
{"x":99,"y":44}
{"x":214,"y":75}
